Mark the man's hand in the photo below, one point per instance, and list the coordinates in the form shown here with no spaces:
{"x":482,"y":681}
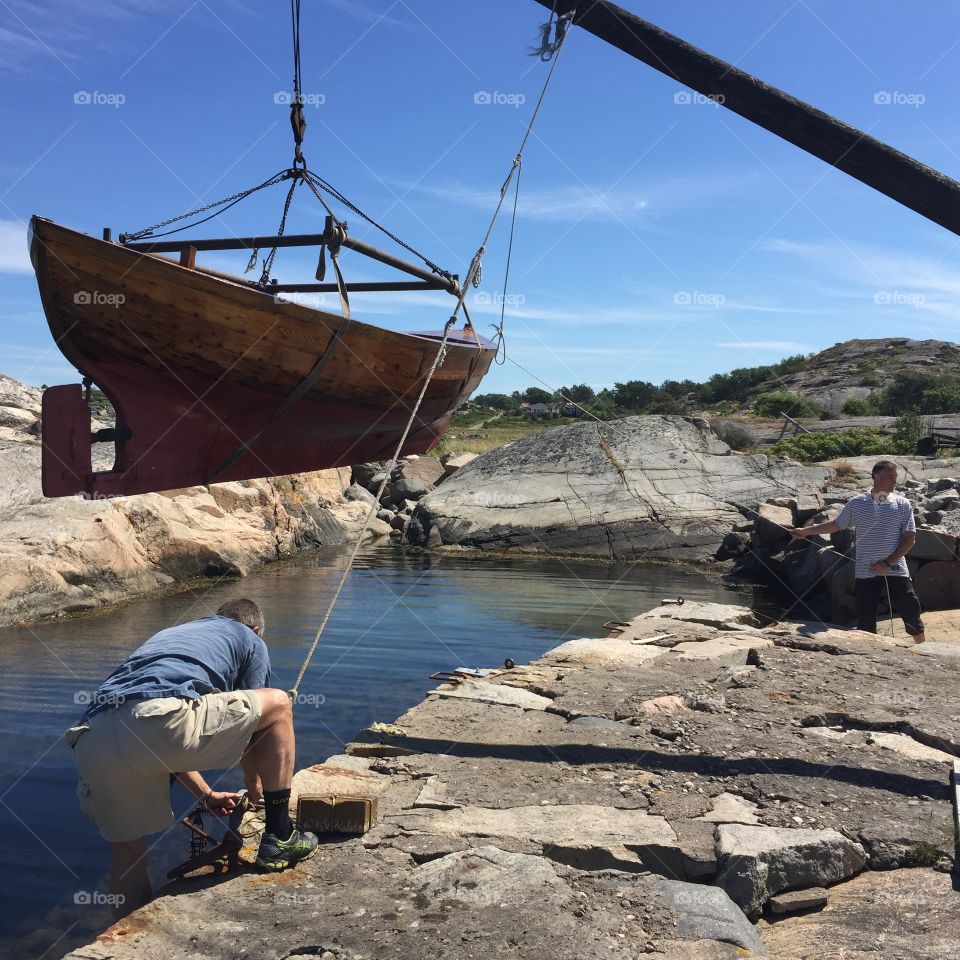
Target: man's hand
{"x":221,"y":803}
{"x":880,"y":568}
{"x":798,"y":533}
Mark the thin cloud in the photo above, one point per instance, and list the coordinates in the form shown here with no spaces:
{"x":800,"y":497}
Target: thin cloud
{"x":576,"y":202}
{"x":365,"y":14}
{"x":783,"y":345}
{"x":13,"y":248}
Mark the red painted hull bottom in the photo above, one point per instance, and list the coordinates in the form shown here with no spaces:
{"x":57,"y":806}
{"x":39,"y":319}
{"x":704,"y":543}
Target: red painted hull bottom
{"x":186,"y":429}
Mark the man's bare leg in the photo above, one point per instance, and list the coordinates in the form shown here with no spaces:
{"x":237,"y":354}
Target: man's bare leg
{"x":270,"y":754}
{"x":129,"y":880}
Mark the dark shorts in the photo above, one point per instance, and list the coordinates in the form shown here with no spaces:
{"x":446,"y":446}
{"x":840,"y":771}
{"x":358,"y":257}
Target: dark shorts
{"x":870,"y":591}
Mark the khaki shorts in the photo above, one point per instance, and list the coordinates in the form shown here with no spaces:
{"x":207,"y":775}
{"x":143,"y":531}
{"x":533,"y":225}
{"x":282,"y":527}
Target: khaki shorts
{"x":125,"y":756}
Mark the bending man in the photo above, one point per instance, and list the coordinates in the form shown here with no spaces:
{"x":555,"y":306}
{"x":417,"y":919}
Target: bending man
{"x":885,"y":533}
{"x":194,"y":697}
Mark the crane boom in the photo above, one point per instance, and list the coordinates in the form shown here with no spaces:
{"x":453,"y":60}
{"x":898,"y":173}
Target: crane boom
{"x":929,"y":192}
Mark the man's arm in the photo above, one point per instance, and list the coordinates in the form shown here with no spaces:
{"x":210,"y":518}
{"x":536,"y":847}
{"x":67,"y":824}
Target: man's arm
{"x":218,"y":802}
{"x":830,"y":526}
{"x":907,"y":539}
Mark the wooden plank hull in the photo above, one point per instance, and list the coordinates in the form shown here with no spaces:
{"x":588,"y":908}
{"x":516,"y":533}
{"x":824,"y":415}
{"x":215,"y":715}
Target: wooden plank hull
{"x":196,"y":364}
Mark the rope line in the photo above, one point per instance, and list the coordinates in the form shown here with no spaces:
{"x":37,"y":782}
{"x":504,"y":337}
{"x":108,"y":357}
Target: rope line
{"x":437,"y":361}
{"x":472,"y":275}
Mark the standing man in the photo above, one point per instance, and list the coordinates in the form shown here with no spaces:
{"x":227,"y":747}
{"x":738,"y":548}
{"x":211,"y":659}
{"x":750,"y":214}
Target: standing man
{"x":194,"y":697}
{"x":885,"y":534}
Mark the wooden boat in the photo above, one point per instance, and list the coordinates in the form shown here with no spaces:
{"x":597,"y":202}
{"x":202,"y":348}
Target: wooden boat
{"x":197,"y":365}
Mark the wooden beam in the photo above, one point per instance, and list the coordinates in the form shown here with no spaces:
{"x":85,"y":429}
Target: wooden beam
{"x":898,"y":176}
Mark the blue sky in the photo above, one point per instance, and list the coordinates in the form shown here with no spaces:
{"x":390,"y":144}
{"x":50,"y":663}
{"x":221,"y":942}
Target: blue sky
{"x":657,"y":239}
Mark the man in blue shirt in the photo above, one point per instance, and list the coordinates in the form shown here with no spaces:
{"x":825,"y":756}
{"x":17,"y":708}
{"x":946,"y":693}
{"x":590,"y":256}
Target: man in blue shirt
{"x":885,"y":534}
{"x":194,"y":697}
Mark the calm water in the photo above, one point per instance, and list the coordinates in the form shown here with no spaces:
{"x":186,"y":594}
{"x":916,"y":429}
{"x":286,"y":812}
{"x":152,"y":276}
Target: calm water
{"x":401,"y":617}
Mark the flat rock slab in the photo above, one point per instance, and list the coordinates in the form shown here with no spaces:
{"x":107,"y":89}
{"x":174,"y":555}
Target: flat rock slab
{"x":707,"y":913}
{"x":500,"y":694}
{"x":486,"y":877}
{"x":730,"y":808}
{"x":613,"y":651}
{"x":758,"y":862}
{"x":902,"y":915}
{"x":813,"y":898}
{"x":730,"y":649}
{"x":549,"y":824}
{"x":720,"y":615}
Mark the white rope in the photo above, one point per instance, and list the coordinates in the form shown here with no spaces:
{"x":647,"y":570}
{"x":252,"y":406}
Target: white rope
{"x":472,"y":274}
{"x":437,"y":361}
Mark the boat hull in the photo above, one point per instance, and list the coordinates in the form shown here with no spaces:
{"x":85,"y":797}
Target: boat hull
{"x":196,"y":365}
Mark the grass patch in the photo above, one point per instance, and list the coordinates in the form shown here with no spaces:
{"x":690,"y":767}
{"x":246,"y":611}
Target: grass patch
{"x":466,"y":437}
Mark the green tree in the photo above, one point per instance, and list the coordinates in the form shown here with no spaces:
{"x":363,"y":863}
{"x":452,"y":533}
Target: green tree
{"x":635,"y":395}
{"x":869,"y":406}
{"x":776,"y":402}
{"x":908,"y":429}
{"x":906,"y":392}
{"x":941,"y":400}
{"x":498,"y":401}
{"x":536,"y":395}
{"x":579,"y":392}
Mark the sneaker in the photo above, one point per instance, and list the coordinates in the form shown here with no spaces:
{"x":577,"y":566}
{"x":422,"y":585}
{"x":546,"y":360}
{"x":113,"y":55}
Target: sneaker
{"x":277,"y":854}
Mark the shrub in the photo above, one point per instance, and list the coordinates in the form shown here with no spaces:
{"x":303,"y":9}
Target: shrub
{"x":908,"y":429}
{"x":816,"y":447}
{"x":867,"y":407}
{"x":776,"y":402}
{"x":843,"y":470}
{"x":906,"y":392}
{"x":941,"y":400}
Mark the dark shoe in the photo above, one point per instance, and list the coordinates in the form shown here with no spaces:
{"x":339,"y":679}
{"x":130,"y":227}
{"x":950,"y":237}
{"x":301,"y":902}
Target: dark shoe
{"x":277,"y":854}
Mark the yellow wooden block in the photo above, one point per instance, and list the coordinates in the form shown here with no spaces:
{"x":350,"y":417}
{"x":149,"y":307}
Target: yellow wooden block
{"x":336,"y":814}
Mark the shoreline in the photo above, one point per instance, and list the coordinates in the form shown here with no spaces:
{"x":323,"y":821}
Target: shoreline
{"x":659,"y":791}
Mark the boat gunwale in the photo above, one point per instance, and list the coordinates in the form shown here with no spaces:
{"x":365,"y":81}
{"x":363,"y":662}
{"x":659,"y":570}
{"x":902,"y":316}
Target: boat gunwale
{"x":239,"y":289}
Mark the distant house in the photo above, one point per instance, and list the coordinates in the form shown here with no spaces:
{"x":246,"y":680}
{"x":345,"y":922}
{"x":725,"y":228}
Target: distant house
{"x":537,"y":409}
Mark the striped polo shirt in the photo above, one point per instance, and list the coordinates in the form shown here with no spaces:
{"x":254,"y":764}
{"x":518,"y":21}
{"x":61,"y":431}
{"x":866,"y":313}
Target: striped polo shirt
{"x":879,"y":527}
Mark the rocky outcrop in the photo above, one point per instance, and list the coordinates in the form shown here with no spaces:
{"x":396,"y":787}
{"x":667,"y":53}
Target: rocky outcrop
{"x":856,"y":368}
{"x":652,"y":486}
{"x":71,"y":554}
{"x":515,"y":829}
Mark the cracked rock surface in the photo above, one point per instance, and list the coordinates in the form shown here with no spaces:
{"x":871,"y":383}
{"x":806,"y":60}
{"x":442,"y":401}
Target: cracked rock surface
{"x":650,"y":486}
{"x":757,"y":812}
